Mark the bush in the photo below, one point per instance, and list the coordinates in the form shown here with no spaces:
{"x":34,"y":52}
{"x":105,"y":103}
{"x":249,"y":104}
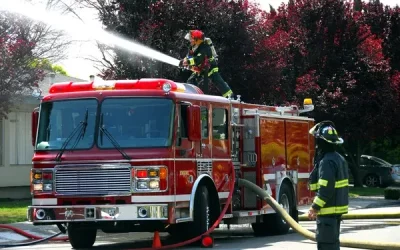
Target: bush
{"x":392,"y":193}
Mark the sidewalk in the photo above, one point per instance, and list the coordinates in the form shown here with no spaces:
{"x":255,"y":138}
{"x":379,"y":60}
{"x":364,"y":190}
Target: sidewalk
{"x":8,"y":236}
{"x":364,"y":202}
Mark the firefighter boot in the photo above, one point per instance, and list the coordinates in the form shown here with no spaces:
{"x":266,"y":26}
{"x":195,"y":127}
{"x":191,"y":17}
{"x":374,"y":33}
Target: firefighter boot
{"x":221,"y":85}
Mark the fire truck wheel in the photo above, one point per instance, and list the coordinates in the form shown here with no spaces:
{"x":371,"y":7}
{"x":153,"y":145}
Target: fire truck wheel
{"x":201,"y":222}
{"x":273,"y":224}
{"x":201,"y":216}
{"x":81,"y":237}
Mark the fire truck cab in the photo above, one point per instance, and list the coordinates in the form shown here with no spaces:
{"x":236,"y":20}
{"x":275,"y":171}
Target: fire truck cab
{"x":156,"y":155}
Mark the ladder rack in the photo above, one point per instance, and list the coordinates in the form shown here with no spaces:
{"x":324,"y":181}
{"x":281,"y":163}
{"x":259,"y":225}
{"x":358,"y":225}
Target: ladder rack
{"x":270,"y":110}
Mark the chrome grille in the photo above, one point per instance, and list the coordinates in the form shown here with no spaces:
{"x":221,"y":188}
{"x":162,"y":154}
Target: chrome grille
{"x":204,"y":167}
{"x":93,"y":180}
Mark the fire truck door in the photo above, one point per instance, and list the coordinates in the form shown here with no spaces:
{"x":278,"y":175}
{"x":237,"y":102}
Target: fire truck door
{"x":185,"y":153}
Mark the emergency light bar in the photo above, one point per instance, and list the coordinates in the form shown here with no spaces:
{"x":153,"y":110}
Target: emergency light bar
{"x":142,"y":84}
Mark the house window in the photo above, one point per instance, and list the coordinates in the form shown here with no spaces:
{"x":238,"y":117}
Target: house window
{"x":220,"y":124}
{"x":20,"y":145}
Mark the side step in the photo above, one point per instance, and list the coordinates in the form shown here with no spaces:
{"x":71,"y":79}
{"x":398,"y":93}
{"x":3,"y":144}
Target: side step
{"x":245,"y":216}
{"x":250,"y":216}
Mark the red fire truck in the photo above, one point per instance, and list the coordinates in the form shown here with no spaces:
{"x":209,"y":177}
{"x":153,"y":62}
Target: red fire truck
{"x":156,"y":155}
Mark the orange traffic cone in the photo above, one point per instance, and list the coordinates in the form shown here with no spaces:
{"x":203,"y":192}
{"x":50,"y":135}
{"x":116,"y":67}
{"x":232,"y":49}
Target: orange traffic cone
{"x":156,"y":240}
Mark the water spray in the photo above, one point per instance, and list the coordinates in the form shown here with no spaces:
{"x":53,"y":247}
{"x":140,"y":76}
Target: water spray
{"x":78,"y":29}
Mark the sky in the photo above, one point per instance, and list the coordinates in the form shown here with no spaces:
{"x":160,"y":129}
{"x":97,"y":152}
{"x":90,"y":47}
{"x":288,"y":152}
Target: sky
{"x":78,"y":66}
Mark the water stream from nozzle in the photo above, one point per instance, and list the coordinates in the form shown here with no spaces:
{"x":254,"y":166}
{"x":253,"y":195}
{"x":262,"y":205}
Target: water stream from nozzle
{"x":82,"y":31}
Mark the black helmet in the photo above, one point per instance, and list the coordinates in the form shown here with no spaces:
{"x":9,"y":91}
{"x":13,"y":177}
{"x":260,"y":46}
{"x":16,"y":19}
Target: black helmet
{"x":326,"y":131}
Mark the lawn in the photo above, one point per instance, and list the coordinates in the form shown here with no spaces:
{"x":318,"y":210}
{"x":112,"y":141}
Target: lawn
{"x":13,"y":211}
{"x":365,"y":191}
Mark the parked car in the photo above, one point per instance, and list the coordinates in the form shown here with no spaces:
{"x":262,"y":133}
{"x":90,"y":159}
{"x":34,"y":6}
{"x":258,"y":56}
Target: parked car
{"x":396,"y":174}
{"x":376,"y":172}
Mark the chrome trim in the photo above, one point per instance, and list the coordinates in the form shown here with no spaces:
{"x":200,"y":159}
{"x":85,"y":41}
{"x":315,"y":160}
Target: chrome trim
{"x":257,"y":125}
{"x":127,"y":161}
{"x":187,"y":219}
{"x":92,"y":185}
{"x":135,"y":190}
{"x":126,"y":212}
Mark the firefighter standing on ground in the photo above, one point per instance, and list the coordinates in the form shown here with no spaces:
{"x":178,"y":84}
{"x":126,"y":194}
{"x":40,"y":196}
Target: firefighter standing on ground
{"x":202,"y":60}
{"x":330,"y":179}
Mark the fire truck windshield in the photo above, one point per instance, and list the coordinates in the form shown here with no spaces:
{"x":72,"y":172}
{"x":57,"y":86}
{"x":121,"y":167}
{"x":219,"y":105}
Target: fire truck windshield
{"x":135,"y":122}
{"x":60,"y":119}
{"x":130,"y":122}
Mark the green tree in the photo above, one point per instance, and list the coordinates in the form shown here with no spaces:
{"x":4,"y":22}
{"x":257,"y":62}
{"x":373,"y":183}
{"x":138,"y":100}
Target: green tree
{"x":45,"y":64}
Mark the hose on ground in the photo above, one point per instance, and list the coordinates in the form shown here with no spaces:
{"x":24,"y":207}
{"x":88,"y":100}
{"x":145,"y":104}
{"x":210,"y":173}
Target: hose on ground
{"x":37,"y":239}
{"x":306,"y":233}
{"x":29,"y":243}
{"x":361,"y":216}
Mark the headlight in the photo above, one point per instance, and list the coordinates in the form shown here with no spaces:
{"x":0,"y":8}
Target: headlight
{"x":41,"y":180}
{"x":142,"y":185}
{"x":149,"y":179}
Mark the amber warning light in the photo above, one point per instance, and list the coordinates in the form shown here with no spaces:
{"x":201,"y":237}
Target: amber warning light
{"x":143,"y":84}
{"x":307,"y":105}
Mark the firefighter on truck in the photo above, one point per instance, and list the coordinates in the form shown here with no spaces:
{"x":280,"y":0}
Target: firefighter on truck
{"x":202,"y":60}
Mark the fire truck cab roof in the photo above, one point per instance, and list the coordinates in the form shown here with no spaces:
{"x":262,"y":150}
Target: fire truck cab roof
{"x":140,"y":84}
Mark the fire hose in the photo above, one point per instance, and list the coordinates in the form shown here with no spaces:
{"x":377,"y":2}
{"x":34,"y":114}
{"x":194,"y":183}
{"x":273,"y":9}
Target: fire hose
{"x":361,"y":216}
{"x":272,"y":202}
{"x":308,"y":234}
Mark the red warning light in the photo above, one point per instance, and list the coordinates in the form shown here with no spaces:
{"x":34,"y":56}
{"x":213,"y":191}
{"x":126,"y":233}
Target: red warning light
{"x":207,"y":241}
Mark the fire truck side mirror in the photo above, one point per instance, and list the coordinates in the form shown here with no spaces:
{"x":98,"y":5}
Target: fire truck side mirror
{"x":34,"y":124}
{"x":194,"y":123}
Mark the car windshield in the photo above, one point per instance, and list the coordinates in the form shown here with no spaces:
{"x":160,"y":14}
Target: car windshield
{"x":60,"y":120}
{"x":135,"y":122}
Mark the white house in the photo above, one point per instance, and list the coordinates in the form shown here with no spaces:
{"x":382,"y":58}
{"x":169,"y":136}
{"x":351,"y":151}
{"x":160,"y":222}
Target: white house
{"x":16,"y":148}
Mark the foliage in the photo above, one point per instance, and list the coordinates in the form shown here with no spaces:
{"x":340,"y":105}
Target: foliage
{"x":334,"y":54}
{"x":16,"y":55}
{"x":342,"y":54}
{"x":45,"y":64}
{"x":163,"y":26}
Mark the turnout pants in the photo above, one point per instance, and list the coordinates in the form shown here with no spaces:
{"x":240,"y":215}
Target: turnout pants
{"x":328,"y":232}
{"x":216,"y":78}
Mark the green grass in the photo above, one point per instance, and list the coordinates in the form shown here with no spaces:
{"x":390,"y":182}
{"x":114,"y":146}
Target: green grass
{"x":13,"y":211}
{"x":365,"y":191}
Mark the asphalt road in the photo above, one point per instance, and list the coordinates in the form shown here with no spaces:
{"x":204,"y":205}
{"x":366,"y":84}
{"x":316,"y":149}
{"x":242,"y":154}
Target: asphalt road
{"x":240,"y":237}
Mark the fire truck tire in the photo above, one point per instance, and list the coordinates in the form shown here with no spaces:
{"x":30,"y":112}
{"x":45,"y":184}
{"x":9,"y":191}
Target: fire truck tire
{"x":202,"y":213}
{"x":273,"y":224}
{"x":81,"y":237}
{"x":204,"y":210}
{"x":201,"y":218}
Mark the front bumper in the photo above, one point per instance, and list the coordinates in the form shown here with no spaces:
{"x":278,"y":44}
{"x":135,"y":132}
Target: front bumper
{"x":87,"y":213}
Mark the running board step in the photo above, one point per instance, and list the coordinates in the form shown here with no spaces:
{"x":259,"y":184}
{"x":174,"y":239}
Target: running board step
{"x":249,"y":213}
